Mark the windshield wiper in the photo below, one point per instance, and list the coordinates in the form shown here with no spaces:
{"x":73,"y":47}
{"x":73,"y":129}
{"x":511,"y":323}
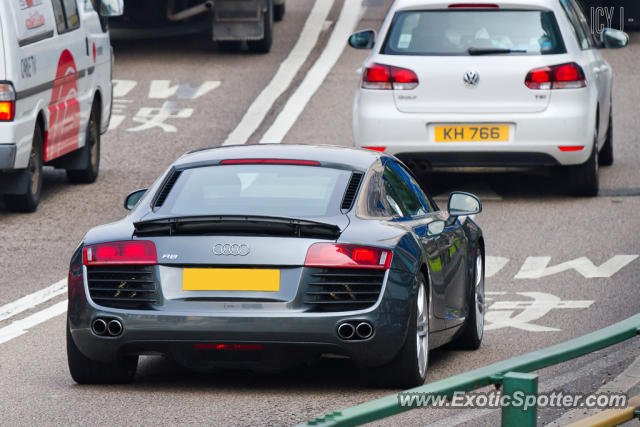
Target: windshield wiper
{"x":492,"y":50}
{"x":236,"y":224}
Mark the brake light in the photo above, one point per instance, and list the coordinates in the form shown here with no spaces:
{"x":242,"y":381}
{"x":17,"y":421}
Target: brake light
{"x":381,"y":149}
{"x":269,"y":162}
{"x":7,"y":102}
{"x":237,"y":347}
{"x":473,"y":5}
{"x":350,"y":256}
{"x":563,"y":76}
{"x":570,"y":147}
{"x":138,"y":252}
{"x":387,"y":77}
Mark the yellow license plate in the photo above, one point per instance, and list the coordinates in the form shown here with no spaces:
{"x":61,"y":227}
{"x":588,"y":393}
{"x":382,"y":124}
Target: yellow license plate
{"x":472,"y":133}
{"x":230,"y":279}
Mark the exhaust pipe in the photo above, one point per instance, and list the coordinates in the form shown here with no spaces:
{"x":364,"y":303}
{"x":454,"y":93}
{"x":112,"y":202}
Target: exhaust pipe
{"x":99,"y":327}
{"x":346,"y":331}
{"x":114,"y":328}
{"x":364,"y":330}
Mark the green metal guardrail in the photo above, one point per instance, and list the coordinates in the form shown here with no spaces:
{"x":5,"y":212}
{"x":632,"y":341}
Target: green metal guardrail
{"x":510,"y":373}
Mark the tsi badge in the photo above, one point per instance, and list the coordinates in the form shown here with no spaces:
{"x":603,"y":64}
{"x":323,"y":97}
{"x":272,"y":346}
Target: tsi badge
{"x":471,"y":78}
{"x":228,"y":249}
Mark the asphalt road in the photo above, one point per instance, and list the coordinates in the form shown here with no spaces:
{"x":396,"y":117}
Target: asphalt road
{"x":573,"y":260}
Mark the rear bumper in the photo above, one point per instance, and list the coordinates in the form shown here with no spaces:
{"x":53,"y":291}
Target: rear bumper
{"x":7,"y":156}
{"x":534,"y":137}
{"x":286,"y":335}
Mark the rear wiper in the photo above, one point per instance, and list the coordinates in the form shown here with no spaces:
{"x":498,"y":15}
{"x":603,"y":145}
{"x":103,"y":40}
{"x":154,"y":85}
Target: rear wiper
{"x":241,"y":224}
{"x":492,"y":50}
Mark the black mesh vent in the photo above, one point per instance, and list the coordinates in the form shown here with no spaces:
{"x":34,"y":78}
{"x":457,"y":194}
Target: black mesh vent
{"x":122,"y":286}
{"x":166,"y":189}
{"x":352,"y":190}
{"x":342,"y":289}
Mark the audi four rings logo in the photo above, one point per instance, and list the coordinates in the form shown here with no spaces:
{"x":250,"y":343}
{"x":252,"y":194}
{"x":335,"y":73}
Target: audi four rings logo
{"x":227,"y":249}
{"x":471,"y":78}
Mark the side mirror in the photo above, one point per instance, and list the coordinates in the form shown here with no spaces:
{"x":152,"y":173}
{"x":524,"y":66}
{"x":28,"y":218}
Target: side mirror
{"x":614,"y":39}
{"x":110,"y":8}
{"x":435,"y":227}
{"x":363,"y":39}
{"x":133,"y":198}
{"x":463,"y":204}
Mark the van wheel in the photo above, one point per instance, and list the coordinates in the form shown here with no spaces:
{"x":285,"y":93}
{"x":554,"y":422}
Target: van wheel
{"x":409,"y":368}
{"x":91,"y":150}
{"x":278,"y":12}
{"x":264,"y":44}
{"x":583,"y":179}
{"x":605,"y":158}
{"x":86,"y":371}
{"x":28,"y":202}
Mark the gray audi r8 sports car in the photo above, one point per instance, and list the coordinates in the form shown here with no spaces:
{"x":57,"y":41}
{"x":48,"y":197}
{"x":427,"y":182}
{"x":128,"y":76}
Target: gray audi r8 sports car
{"x":261,"y":257}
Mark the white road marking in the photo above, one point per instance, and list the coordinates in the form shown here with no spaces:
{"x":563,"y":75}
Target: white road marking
{"x":536,"y":267}
{"x":20,"y":327}
{"x":296,"y":104}
{"x":29,"y":301}
{"x":162,"y":89}
{"x":500,"y":314}
{"x":284,"y":76}
{"x":493,"y":264}
{"x":122,"y":88}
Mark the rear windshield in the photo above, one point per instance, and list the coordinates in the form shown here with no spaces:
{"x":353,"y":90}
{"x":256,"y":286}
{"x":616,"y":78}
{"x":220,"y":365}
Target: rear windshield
{"x":267,"y":190}
{"x":449,"y":32}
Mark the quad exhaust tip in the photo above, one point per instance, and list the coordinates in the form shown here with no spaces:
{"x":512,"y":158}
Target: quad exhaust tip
{"x":346,"y":331}
{"x":107,"y":327}
{"x":99,"y":327}
{"x":364,"y":330}
{"x":355,"y":330}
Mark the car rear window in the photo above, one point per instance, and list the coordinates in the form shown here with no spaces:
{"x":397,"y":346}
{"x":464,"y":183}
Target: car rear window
{"x":454,"y":32}
{"x":268,"y":190}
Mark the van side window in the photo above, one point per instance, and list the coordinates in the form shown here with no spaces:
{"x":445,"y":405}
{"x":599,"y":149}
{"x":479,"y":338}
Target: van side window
{"x":59,"y":13}
{"x":67,"y":18}
{"x":71,"y":12}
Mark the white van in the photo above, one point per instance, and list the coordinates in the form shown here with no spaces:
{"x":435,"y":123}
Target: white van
{"x":55,"y":92}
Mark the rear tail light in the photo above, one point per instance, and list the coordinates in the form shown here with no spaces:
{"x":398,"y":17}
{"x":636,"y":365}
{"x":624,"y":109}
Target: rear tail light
{"x":563,"y":76}
{"x":381,"y":149}
{"x":7,"y":102}
{"x":387,"y":77}
{"x":135,"y":252}
{"x":351,"y":256}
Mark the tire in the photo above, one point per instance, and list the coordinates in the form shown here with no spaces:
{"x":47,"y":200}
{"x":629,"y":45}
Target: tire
{"x":86,"y":371}
{"x":583,"y":179}
{"x":264,"y":44}
{"x":91,"y":150}
{"x":278,"y":12}
{"x":473,"y":329}
{"x":409,"y":368}
{"x":605,"y":157}
{"x":28,"y":202}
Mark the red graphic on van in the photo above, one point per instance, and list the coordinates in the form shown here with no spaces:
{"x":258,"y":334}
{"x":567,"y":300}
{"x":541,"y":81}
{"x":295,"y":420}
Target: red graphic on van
{"x":34,"y":21}
{"x":64,"y":110}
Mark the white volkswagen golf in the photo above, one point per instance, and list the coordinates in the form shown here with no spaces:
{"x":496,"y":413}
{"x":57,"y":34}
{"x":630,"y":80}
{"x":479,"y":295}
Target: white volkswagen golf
{"x":510,"y":83}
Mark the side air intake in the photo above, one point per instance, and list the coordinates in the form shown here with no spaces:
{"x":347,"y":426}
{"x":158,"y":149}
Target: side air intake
{"x":352,"y":190}
{"x":166,"y":188}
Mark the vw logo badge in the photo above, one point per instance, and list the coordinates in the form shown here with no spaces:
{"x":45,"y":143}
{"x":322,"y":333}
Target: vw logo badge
{"x":227,"y":249}
{"x":471,"y":78}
